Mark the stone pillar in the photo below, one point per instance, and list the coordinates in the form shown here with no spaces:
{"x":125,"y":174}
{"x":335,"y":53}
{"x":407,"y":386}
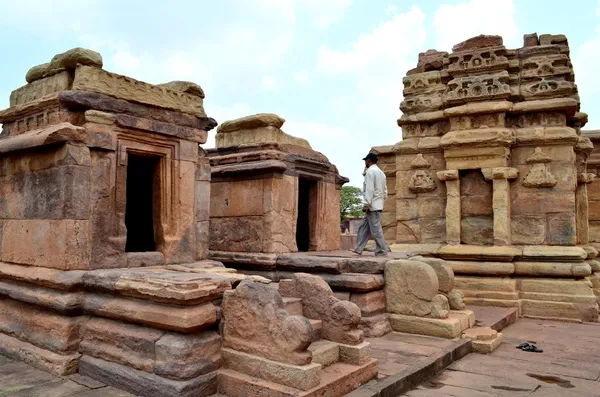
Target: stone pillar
{"x":582,"y":207}
{"x":451,"y":177}
{"x":501,"y":201}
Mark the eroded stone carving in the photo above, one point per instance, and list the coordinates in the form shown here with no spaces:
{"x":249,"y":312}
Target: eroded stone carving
{"x":539,"y":176}
{"x":421,"y":182}
{"x":255,"y":322}
{"x":340,"y":318}
{"x":488,"y":87}
{"x":484,"y":59}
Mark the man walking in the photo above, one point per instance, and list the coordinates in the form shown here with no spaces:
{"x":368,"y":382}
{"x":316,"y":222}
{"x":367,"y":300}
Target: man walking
{"x":374,"y":193}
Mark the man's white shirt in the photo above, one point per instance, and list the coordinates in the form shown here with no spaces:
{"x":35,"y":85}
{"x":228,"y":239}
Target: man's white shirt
{"x":374,"y":188}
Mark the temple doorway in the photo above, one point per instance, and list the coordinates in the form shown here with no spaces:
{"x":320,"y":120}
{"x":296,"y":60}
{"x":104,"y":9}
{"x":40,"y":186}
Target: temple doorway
{"x":142,"y":178}
{"x":303,"y":223}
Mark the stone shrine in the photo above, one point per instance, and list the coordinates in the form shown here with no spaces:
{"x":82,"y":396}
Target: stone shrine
{"x":491,"y":175}
{"x":104,"y":235}
{"x":270,"y":192}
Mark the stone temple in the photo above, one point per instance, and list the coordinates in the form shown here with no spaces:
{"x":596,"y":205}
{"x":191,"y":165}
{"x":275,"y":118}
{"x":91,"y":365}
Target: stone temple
{"x":131,"y":255}
{"x":491,"y":175}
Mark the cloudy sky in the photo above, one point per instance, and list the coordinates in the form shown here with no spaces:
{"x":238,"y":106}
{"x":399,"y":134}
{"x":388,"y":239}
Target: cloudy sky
{"x":332,"y":68}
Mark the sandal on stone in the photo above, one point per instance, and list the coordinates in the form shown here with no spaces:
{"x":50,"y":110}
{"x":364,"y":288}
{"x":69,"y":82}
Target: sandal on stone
{"x":356,"y":253}
{"x":533,"y":349}
{"x":523,"y":345}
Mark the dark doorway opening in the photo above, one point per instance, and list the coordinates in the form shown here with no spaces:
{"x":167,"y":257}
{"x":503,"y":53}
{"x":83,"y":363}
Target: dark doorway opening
{"x":139,"y":209}
{"x":305,"y":187}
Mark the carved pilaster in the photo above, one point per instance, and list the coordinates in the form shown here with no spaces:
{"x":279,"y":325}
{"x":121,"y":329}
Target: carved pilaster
{"x":500,"y":177}
{"x":451,"y":177}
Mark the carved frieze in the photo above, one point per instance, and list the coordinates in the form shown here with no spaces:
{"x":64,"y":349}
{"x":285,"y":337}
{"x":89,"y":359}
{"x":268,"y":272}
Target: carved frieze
{"x":421,"y":103}
{"x":40,"y":88}
{"x":544,"y":66}
{"x":422,"y":83}
{"x":547,"y":88}
{"x":480,"y":60}
{"x":478,"y":88}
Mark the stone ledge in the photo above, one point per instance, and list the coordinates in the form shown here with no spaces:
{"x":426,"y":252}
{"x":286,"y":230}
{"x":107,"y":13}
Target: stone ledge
{"x":52,"y":134}
{"x":70,"y":303}
{"x":46,"y":360}
{"x":336,"y":380}
{"x":400,"y":383}
{"x":302,"y":377}
{"x":549,"y":253}
{"x":143,"y":383}
{"x":448,"y":328}
{"x":475,"y":252}
{"x":45,"y":277}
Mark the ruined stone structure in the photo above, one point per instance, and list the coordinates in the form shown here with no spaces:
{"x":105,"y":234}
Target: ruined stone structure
{"x":491,"y":175}
{"x":104,"y":234}
{"x":270,"y":192}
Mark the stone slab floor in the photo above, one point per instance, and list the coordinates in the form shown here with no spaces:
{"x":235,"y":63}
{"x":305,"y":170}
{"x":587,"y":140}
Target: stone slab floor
{"x":18,"y":379}
{"x":569,"y":365}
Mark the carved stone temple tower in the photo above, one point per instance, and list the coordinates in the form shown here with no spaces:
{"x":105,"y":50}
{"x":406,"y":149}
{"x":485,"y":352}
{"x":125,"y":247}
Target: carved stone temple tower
{"x":491,"y":175}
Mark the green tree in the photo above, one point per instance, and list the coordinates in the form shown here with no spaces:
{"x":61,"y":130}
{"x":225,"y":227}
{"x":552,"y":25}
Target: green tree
{"x":351,"y":203}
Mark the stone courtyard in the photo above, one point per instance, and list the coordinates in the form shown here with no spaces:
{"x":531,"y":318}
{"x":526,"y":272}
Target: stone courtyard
{"x":135,"y":262}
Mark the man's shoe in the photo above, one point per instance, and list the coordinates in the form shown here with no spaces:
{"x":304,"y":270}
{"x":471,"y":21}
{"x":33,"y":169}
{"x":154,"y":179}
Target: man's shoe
{"x":356,"y":252}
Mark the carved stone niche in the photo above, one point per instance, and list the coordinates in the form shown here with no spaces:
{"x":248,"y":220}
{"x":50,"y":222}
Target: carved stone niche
{"x":539,"y":176}
{"x":482,"y":87}
{"x":421,"y":180}
{"x":547,"y":87}
{"x":422,"y":103}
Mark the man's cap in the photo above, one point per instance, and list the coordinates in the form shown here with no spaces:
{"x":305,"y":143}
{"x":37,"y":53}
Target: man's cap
{"x":372,"y":157}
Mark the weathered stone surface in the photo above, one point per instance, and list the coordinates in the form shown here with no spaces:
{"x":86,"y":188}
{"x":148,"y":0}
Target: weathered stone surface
{"x":480,"y":41}
{"x":239,"y":234}
{"x":442,"y":269}
{"x":340,"y":318}
{"x":185,"y":319}
{"x":67,"y":60}
{"x":121,"y":343}
{"x":59,"y":244}
{"x":255,"y":322}
{"x":303,"y":377}
{"x":355,"y":354}
{"x":141,"y":259}
{"x":91,"y":100}
{"x":143,"y":383}
{"x":187,"y":356}
{"x":160,"y":286}
{"x":250,"y":122}
{"x":324,"y":352}
{"x":64,"y":302}
{"x":370,"y":303}
{"x":184,"y":86}
{"x":33,"y":97}
{"x":96,"y":80}
{"x":46,"y":360}
{"x":312,"y":264}
{"x":376,"y":326}
{"x":442,"y":328}
{"x":181,"y":132}
{"x":411,"y":288}
{"x":44,"y":329}
{"x":52,"y":278}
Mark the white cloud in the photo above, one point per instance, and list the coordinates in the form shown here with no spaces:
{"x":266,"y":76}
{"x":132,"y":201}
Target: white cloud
{"x":384,"y":45}
{"x":459,"y":22}
{"x":323,"y":13}
{"x":375,"y":65}
{"x":301,"y":77}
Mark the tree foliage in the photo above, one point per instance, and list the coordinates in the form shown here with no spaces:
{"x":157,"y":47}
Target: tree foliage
{"x":351,"y":203}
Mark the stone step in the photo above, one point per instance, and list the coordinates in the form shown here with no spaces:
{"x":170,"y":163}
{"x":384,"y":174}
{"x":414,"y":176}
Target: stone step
{"x":337,"y":380}
{"x":325,"y":352}
{"x":317,"y":326}
{"x":293,"y":306}
{"x":497,"y":318}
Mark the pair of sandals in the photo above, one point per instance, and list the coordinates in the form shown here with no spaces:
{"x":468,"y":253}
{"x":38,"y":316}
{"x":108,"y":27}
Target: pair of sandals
{"x":527,"y":347}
